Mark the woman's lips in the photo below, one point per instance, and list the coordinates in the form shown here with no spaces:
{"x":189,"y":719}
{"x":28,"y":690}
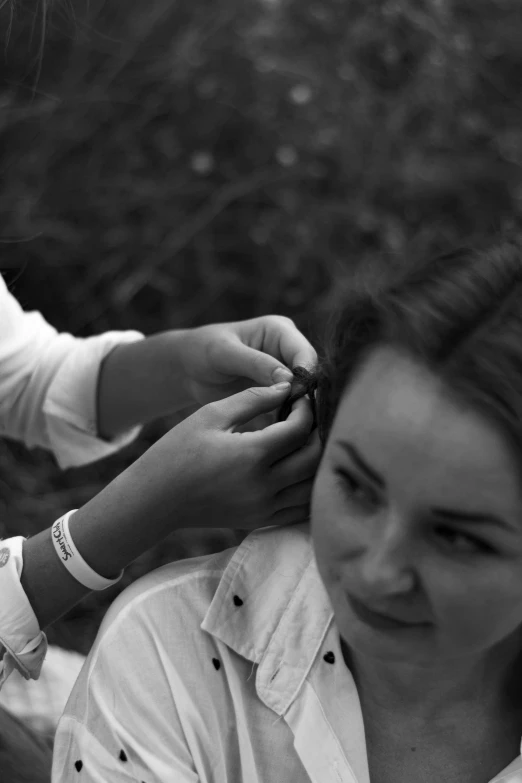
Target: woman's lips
{"x":381,"y":621}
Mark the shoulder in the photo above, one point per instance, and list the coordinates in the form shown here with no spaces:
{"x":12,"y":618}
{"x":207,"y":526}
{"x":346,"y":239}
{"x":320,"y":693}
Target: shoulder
{"x":162,"y":633}
{"x":174,"y":600}
{"x":146,"y":641}
{"x":160,"y":597}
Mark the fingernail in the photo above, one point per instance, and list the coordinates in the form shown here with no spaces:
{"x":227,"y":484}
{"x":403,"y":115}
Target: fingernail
{"x":281,"y":386}
{"x":281,"y":374}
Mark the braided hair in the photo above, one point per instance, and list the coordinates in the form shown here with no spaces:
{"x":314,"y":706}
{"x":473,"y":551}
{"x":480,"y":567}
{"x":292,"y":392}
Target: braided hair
{"x":305,"y":382}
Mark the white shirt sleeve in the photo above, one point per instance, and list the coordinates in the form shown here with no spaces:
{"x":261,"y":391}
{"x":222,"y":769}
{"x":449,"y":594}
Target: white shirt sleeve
{"x":124,"y":719}
{"x":79,"y":750}
{"x":88,"y":756}
{"x":48,"y":385}
{"x":24,"y":644}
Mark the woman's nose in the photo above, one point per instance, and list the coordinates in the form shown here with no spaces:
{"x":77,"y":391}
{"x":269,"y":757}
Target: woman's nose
{"x":388,"y":562}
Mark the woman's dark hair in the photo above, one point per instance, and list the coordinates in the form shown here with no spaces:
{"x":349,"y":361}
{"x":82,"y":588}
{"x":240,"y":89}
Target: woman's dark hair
{"x":459,"y":314}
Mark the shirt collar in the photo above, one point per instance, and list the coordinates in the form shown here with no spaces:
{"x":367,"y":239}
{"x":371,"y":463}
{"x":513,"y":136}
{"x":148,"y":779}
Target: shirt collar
{"x":271,"y":608}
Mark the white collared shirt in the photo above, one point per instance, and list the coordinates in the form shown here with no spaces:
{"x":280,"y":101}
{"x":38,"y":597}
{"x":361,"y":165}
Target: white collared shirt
{"x":48,"y":383}
{"x":220,"y":669}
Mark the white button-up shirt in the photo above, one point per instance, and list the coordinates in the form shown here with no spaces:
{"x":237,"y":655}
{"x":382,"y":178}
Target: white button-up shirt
{"x":48,"y":384}
{"x":220,"y":669}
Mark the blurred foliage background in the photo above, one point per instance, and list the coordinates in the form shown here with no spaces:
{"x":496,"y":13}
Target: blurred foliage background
{"x":168,"y":164}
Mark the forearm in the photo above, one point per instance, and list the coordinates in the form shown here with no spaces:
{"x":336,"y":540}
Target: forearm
{"x":140,"y":382}
{"x":109,"y":532}
{"x":50,"y":588}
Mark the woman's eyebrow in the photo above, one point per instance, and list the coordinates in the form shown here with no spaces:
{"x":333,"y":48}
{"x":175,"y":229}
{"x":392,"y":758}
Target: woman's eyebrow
{"x":470,"y":516}
{"x":361,"y":463}
{"x":443,"y":513}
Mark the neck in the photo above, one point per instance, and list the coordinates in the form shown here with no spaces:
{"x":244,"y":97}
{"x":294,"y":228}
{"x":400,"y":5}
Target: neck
{"x":491,"y":682}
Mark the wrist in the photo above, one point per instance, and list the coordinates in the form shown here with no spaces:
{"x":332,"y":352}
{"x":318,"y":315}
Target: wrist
{"x":124,"y":520}
{"x":72,"y":559}
{"x":140,"y":382}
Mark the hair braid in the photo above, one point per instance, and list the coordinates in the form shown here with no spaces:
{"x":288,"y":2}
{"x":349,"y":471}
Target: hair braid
{"x":305,"y":382}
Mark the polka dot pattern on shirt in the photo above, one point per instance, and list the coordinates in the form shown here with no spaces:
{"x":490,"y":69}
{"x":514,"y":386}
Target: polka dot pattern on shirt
{"x":329,"y":657}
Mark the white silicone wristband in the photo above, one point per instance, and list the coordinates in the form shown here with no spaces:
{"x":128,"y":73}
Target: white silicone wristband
{"x":72,"y":559}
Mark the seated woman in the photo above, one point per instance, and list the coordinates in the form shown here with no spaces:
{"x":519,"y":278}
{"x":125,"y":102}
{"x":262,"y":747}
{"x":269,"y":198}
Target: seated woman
{"x":383,"y":645}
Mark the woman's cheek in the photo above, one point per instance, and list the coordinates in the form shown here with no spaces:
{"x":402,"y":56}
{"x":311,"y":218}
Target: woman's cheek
{"x":469,"y":605}
{"x":474,"y":603}
{"x":336,"y":552}
{"x":336,"y":526}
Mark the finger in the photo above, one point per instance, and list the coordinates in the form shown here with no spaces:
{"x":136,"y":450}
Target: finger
{"x":219,"y":391}
{"x":258,"y":423}
{"x":291,"y":516}
{"x":299,"y":466}
{"x":295,"y":495}
{"x":240,"y":408}
{"x":283,"y":340}
{"x":284,"y":437}
{"x":238,"y":359}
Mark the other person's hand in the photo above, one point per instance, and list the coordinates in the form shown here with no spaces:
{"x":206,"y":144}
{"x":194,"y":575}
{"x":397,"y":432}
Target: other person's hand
{"x":222,"y":359}
{"x":205,"y":472}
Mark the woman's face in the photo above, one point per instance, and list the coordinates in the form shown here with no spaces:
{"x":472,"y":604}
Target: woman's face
{"x":416,"y":519}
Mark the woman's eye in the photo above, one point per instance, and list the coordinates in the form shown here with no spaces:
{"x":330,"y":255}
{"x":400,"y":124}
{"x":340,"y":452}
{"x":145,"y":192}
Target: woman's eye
{"x":354,"y":490}
{"x":461,"y":542}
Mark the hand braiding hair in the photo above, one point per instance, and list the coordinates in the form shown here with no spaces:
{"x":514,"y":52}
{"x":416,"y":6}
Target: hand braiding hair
{"x":305,"y":382}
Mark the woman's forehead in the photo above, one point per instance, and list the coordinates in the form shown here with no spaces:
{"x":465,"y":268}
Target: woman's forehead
{"x":392,"y":385}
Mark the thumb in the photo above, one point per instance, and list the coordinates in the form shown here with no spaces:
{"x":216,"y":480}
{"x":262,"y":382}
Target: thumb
{"x":246,"y":405}
{"x":240,"y":360}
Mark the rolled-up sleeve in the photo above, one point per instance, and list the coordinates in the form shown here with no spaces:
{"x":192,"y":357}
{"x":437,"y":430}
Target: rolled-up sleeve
{"x":22,"y":642}
{"x":48,"y":385}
